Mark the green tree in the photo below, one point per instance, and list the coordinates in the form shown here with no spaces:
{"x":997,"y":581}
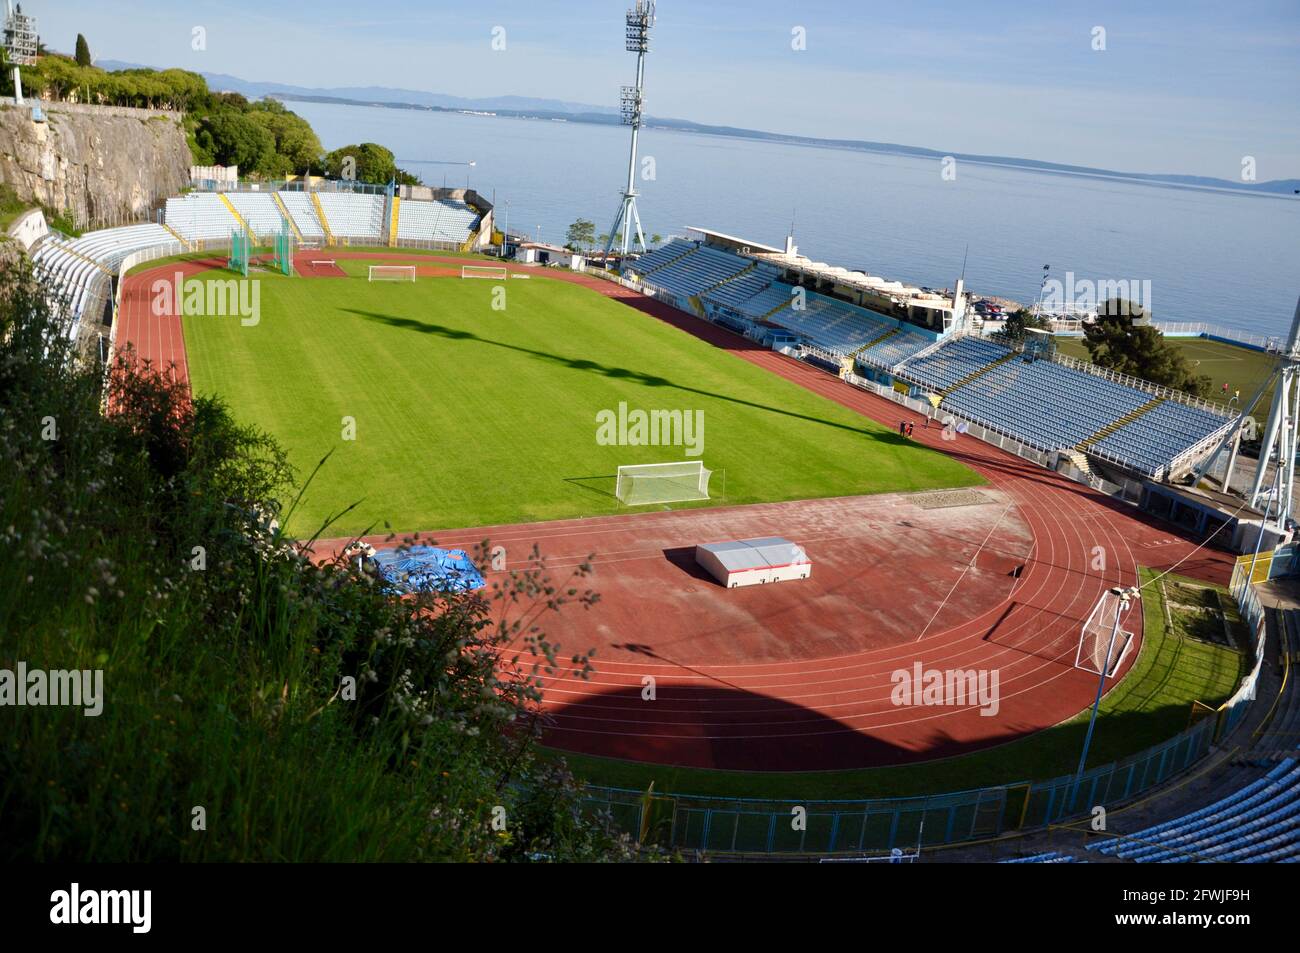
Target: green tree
{"x":231,"y":138}
{"x":581,"y":235}
{"x":1117,"y":342}
{"x":1017,"y":325}
{"x":370,"y":162}
{"x":83,"y":51}
{"x":656,"y":240}
{"x":296,"y":146}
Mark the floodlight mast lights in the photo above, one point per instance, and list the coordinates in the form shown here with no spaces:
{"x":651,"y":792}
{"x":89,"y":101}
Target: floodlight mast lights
{"x":640,"y":19}
{"x":20,"y":44}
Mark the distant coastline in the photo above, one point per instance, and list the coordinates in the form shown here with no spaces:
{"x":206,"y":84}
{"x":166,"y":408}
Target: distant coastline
{"x":1277,"y":188}
{"x":525,"y":107}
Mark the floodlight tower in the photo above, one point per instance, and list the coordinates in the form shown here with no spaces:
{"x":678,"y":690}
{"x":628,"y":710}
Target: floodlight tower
{"x":20,"y":43}
{"x":1283,"y":426}
{"x":1281,"y":433}
{"x":640,"y":19}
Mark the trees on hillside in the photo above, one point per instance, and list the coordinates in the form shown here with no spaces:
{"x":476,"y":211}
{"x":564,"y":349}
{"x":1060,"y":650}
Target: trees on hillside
{"x":233,"y":138}
{"x":369,"y":162}
{"x":1115,"y":342}
{"x":296,"y":146}
{"x":264,"y":138}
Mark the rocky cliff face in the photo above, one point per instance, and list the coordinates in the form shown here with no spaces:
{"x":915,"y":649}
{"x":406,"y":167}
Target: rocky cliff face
{"x":99,"y":166}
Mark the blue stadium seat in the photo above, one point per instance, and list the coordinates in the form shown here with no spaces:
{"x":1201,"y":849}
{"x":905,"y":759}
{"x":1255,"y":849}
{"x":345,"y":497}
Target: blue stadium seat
{"x":1259,"y":822}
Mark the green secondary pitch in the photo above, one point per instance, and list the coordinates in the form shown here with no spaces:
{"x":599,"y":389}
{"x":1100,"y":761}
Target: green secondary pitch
{"x":440,"y":411}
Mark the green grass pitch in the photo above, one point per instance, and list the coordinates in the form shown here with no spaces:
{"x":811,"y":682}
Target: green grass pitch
{"x":467,"y":416}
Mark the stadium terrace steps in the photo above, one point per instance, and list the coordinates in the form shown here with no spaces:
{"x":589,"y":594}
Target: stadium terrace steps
{"x":958,"y":359}
{"x":322,"y":218}
{"x":77,"y":273}
{"x":980,"y":371}
{"x":234,"y":211}
{"x":352,"y":216}
{"x":1079,"y":460}
{"x":693,"y":274}
{"x":893,"y":350}
{"x":302,"y":212}
{"x":891,"y":333}
{"x":441,"y":220}
{"x":258,"y":211}
{"x":178,"y":236}
{"x":661,"y":256}
{"x":1114,"y":425}
{"x":832,"y":325}
{"x":1165,"y":432}
{"x":1050,"y":406}
{"x":72,"y":250}
{"x":201,"y":216}
{"x":284,"y":211}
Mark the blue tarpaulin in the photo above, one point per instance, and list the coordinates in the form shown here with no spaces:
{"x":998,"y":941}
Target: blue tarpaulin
{"x":428,"y":569}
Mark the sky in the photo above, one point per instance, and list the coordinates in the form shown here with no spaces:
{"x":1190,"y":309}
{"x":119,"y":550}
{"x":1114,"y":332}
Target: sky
{"x":1186,"y":87}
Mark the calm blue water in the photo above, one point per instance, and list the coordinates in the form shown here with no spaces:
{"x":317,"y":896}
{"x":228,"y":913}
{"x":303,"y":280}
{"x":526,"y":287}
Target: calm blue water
{"x":1220,"y":258}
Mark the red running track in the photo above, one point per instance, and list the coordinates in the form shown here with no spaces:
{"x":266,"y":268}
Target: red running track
{"x":814,"y":709}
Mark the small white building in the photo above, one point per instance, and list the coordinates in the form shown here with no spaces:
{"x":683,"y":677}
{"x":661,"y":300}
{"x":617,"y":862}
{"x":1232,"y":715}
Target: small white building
{"x":538,"y":253}
{"x":215,"y":176}
{"x":754,"y":562}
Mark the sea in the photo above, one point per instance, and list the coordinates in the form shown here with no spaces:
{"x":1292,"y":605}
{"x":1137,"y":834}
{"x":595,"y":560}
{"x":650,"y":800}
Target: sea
{"x":1204,"y":256}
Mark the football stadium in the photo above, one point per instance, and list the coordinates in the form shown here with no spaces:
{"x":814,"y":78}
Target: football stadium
{"x":935,"y":593}
{"x":982,"y":544}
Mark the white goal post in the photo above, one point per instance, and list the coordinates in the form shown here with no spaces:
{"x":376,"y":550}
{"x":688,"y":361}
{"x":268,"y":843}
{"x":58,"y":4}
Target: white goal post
{"x":484,"y":271}
{"x":1095,"y":638}
{"x":646,"y":483}
{"x":392,"y":273}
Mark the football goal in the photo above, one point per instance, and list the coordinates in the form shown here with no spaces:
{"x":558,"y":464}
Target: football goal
{"x":483,"y":271}
{"x":392,"y":272}
{"x":646,"y":483}
{"x":1097,"y":651}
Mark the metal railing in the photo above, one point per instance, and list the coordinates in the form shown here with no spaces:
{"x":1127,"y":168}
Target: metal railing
{"x":1203,"y":329}
{"x":1137,"y":383}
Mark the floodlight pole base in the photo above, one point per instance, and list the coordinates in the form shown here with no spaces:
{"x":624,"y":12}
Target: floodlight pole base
{"x":1126,"y":595}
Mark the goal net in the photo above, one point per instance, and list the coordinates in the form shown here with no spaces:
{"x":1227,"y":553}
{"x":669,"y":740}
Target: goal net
{"x":483,"y":271}
{"x":1095,"y":638}
{"x":646,"y":483}
{"x":392,"y":272}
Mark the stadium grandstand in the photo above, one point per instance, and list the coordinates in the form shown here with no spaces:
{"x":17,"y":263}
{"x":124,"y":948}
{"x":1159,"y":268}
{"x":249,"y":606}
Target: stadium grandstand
{"x":456,"y":220}
{"x":302,"y":212}
{"x":917,"y":341}
{"x":80,"y":273}
{"x":439,"y":220}
{"x":1255,"y":824}
{"x":353,"y":217}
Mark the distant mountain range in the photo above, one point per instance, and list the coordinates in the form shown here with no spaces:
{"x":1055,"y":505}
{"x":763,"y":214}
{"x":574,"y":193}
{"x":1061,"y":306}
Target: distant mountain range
{"x":539,"y":108}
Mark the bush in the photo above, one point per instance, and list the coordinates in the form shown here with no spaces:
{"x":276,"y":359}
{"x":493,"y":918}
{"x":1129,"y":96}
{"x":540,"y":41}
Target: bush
{"x":258,"y":703}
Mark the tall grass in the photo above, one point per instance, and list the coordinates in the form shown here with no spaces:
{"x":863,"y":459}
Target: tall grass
{"x":257,"y":705}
